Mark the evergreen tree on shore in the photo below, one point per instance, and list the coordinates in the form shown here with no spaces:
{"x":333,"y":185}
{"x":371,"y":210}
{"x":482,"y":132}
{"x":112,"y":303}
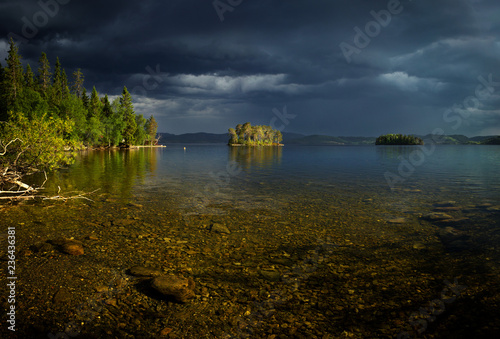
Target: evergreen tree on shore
{"x":12,"y":81}
{"x":94,"y":121}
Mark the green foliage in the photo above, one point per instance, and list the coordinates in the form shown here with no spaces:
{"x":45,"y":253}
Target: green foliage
{"x":249,"y":135}
{"x":94,"y":105}
{"x":94,"y":120}
{"x":78,"y":80}
{"x":492,"y":141}
{"x":151,"y":128}
{"x":127,"y":111}
{"x":12,"y":81}
{"x":44,"y":75}
{"x":29,"y":79}
{"x":398,"y":139}
{"x":38,"y":144}
{"x":140,"y":132}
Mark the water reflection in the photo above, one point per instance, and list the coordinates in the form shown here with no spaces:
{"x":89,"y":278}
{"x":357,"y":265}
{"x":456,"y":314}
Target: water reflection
{"x":258,"y":157}
{"x":393,"y":151}
{"x":115,"y":172}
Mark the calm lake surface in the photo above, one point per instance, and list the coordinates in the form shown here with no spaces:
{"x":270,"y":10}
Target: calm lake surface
{"x":397,"y":178}
{"x":407,"y":224}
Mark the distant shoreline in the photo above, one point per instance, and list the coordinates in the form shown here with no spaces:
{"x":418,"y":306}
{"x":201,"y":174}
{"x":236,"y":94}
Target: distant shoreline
{"x":265,"y":145}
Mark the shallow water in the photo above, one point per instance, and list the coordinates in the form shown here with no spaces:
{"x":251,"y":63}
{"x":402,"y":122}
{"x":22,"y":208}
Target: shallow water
{"x":285,"y":200}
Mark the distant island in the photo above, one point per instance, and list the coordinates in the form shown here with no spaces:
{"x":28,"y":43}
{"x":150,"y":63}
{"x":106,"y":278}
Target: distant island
{"x":248,"y":135}
{"x":398,"y":139}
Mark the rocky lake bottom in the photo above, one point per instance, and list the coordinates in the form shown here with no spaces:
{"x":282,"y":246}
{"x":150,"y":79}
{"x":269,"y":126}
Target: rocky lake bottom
{"x":313,"y":265}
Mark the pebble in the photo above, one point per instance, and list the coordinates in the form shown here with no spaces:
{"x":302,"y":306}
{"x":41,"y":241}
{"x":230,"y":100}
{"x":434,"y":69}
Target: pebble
{"x":270,"y":275}
{"x":449,"y":203}
{"x":72,"y":248}
{"x":437,"y":216}
{"x":418,"y":246}
{"x":166,"y":331}
{"x":178,"y":287}
{"x":141,"y":271}
{"x":397,"y":221}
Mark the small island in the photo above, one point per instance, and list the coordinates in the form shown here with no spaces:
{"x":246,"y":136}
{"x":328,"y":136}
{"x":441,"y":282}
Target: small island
{"x":398,"y":139}
{"x":248,"y":135}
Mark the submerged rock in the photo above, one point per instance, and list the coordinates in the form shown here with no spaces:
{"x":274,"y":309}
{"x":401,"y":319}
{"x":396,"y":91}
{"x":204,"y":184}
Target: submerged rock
{"x":178,"y":287}
{"x":270,"y":275}
{"x":72,"y":248}
{"x":437,"y":216}
{"x":62,"y":296}
{"x":44,"y":247}
{"x":397,"y":221}
{"x":68,"y":246}
{"x":141,"y":271}
{"x":453,"y":239}
{"x":445,"y":204}
{"x":219,"y":228}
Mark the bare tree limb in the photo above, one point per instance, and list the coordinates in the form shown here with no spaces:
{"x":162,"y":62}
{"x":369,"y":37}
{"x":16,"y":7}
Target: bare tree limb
{"x":10,"y":142}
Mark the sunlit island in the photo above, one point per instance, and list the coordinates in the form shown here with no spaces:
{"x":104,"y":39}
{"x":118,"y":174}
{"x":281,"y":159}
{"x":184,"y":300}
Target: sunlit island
{"x":248,"y":135}
{"x":398,"y":139}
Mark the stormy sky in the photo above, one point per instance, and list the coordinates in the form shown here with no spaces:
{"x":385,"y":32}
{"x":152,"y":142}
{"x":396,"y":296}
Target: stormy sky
{"x":342,"y":68}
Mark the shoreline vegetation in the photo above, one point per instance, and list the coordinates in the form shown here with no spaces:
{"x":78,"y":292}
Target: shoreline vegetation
{"x":45,"y":119}
{"x":398,"y":139}
{"x":260,"y":135}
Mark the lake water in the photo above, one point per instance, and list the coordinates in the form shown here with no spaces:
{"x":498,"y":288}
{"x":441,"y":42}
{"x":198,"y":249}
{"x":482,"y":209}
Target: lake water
{"x":410,"y":224}
{"x":398,"y":179}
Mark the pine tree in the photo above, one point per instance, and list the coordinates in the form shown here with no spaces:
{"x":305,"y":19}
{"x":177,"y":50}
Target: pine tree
{"x":64,"y":85}
{"x":57,"y":86}
{"x":94,"y":105}
{"x":85,"y":98}
{"x":127,"y":111}
{"x":13,"y":78}
{"x":44,"y":75}
{"x":78,"y":80}
{"x":29,"y":78}
{"x":140,"y":131}
{"x":107,"y":110}
{"x":3,"y":109}
{"x":151,"y":128}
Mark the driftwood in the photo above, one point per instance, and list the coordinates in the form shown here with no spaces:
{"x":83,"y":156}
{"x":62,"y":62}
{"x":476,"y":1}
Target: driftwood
{"x":11,"y":177}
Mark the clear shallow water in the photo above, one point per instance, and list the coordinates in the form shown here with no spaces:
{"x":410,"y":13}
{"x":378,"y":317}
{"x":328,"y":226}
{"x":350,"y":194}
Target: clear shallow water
{"x":215,"y":179}
{"x":283,"y":204}
{"x":466,"y":173}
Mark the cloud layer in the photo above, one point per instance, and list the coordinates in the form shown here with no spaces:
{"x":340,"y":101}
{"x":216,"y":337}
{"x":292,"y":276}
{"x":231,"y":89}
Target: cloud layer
{"x":408,"y":63}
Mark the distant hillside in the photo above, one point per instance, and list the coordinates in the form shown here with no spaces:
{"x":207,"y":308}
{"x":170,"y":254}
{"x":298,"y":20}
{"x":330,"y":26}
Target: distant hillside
{"x":458,"y":139}
{"x":491,"y":141}
{"x":191,"y":138}
{"x":210,"y":138}
{"x":317,"y":140}
{"x":329,"y":140}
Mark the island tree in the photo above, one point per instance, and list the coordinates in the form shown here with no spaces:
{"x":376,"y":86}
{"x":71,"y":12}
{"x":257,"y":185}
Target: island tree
{"x":398,"y":139}
{"x":248,"y":135}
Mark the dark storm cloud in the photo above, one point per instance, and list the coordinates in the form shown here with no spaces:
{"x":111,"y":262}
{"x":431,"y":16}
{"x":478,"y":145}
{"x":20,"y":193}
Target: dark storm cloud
{"x":195,"y":72}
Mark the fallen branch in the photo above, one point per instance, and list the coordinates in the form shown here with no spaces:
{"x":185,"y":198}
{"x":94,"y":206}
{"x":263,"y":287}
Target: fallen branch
{"x":79,"y":196}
